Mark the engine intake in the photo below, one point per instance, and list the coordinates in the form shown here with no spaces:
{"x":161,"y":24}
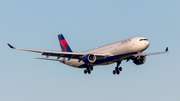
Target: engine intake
{"x":139,"y":60}
{"x":89,"y":58}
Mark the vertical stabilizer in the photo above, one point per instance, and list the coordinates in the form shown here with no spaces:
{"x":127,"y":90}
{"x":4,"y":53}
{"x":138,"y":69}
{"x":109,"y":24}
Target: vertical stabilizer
{"x":64,"y":45}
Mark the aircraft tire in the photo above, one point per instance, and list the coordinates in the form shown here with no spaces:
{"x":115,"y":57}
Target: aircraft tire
{"x":85,"y":71}
{"x":117,"y":69}
{"x":89,"y":72}
{"x":91,"y":68}
{"x":114,"y":72}
{"x":117,"y":72}
{"x":120,"y":68}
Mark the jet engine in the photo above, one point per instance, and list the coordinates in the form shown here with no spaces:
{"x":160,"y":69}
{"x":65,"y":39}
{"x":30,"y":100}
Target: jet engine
{"x":139,"y":60}
{"x":89,"y":58}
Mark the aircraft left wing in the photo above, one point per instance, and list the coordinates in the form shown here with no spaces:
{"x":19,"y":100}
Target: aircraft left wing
{"x":57,"y":54}
{"x":147,"y":54}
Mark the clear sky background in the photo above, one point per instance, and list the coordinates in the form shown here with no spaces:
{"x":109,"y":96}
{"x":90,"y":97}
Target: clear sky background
{"x":86,"y":24}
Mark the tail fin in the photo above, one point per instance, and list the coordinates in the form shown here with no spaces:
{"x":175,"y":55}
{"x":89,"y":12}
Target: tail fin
{"x":64,"y":45}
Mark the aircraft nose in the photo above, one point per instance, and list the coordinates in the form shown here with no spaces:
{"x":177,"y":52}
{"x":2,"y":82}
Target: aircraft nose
{"x":147,"y":43}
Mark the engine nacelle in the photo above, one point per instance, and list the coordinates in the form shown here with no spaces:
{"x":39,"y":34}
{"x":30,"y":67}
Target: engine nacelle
{"x":89,"y":58}
{"x":140,"y":60}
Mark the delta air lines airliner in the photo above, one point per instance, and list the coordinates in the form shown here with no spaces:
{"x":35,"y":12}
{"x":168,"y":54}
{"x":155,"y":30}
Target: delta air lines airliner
{"x":129,"y":49}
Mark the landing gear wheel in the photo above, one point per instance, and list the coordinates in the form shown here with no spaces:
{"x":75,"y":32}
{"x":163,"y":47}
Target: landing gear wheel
{"x":117,"y":72}
{"x":114,"y":72}
{"x":117,"y":69}
{"x":120,"y":68}
{"x":89,"y":72}
{"x":91,"y":68}
{"x":85,"y":71}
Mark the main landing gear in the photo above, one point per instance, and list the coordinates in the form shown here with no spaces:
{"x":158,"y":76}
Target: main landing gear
{"x":88,"y":69}
{"x":117,"y":70}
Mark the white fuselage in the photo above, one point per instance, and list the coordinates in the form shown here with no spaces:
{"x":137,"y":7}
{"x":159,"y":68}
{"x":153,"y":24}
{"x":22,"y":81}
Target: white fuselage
{"x":135,"y":44}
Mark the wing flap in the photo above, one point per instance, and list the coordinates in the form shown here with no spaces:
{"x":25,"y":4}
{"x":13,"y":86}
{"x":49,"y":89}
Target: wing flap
{"x":51,"y":59}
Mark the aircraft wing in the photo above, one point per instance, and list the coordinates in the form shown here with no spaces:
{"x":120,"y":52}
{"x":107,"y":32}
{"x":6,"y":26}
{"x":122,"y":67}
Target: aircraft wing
{"x":147,"y":54}
{"x":57,"y":54}
{"x":51,"y":59}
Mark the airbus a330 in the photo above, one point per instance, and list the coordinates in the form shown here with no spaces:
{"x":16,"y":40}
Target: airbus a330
{"x":129,"y":49}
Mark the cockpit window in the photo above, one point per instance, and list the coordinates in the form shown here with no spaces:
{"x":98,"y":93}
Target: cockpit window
{"x":143,"y":40}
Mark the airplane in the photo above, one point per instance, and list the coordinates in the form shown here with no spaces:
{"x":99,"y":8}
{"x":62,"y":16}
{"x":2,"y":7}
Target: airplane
{"x":129,"y":49}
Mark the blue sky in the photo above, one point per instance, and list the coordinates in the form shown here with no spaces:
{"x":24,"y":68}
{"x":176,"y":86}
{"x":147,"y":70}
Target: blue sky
{"x":85,"y":24}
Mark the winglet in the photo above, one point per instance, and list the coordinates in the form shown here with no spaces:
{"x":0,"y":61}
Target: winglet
{"x":167,"y":49}
{"x":11,"y":46}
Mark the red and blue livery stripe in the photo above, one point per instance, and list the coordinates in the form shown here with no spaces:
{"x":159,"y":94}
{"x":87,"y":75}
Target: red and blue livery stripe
{"x":63,"y":44}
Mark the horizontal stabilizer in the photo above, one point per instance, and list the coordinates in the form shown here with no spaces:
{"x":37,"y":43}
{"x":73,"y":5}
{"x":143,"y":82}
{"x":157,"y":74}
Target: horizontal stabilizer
{"x":51,"y":59}
{"x":10,"y":46}
{"x":167,"y":49}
